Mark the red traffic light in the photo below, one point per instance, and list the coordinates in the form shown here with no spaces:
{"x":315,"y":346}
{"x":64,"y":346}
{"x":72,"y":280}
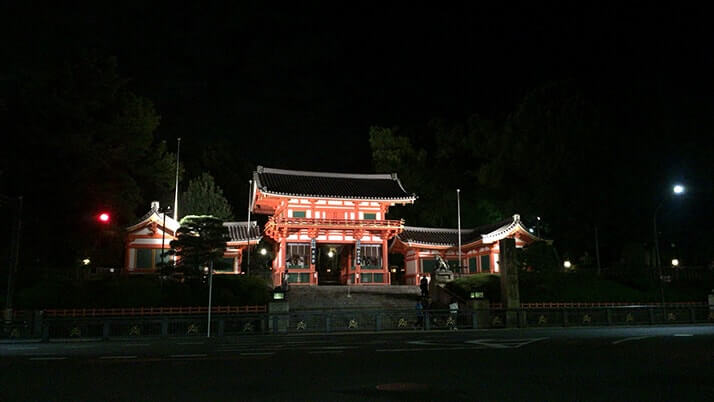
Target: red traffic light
{"x":104,"y":217}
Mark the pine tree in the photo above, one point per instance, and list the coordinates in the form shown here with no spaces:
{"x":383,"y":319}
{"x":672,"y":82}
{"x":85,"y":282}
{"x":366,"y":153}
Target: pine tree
{"x":204,"y":197}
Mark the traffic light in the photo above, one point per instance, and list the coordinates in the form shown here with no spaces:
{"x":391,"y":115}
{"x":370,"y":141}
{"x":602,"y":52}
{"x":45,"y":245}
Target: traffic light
{"x":104,"y":217}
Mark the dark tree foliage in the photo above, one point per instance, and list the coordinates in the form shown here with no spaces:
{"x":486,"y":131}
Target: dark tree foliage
{"x":81,"y":143}
{"x":201,"y":240}
{"x":204,"y":197}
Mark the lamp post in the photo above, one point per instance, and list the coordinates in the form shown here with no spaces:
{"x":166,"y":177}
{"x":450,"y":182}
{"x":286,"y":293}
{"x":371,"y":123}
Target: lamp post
{"x":678,"y":189}
{"x":210,"y":294}
{"x":163,"y":235}
{"x":14,"y":250}
{"x":458,"y":213}
{"x":250,"y":200}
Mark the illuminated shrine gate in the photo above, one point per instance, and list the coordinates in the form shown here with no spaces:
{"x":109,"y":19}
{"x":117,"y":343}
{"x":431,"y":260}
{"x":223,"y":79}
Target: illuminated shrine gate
{"x":329,"y":224}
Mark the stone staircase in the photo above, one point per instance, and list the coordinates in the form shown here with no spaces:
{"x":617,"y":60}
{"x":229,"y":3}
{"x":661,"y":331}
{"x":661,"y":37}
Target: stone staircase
{"x":303,"y":298}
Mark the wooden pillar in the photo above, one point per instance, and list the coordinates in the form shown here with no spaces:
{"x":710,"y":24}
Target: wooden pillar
{"x":385,"y":261}
{"x":239,"y":258}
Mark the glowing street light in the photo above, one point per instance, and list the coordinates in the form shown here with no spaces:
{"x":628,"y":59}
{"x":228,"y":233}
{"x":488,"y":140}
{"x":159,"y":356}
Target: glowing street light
{"x":567,"y":264}
{"x":86,"y":261}
{"x":330,"y":254}
{"x":675,"y":262}
{"x":263,"y":251}
{"x":678,"y":189}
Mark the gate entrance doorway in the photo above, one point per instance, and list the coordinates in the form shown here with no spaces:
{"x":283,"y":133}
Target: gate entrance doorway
{"x":331,"y":260}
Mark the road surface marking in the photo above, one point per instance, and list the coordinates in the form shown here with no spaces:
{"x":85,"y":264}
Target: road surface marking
{"x":505,"y":343}
{"x":332,"y":348}
{"x":257,"y":353}
{"x":135,"y":344}
{"x":191,"y":355}
{"x":23,"y":347}
{"x":683,"y":334}
{"x":118,"y":357}
{"x":190,"y":343}
{"x":313,"y":352}
{"x":632,"y":338}
{"x":427,"y":349}
{"x":79,"y":346}
{"x":48,"y":358}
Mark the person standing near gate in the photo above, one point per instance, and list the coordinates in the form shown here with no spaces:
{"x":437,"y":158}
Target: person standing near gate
{"x":424,"y":286}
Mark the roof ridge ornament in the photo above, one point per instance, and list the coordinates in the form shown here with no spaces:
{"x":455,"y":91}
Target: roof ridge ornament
{"x":516,"y":218}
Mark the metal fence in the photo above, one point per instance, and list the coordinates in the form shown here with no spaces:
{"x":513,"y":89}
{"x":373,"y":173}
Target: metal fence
{"x":62,"y":328}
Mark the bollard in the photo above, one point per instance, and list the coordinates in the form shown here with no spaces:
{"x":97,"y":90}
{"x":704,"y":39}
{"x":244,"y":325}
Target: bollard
{"x":221,"y":327}
{"x":165,"y":327}
{"x":46,"y":332}
{"x":106,"y":327}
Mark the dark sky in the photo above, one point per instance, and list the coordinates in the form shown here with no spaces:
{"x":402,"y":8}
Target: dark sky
{"x":299,"y":86}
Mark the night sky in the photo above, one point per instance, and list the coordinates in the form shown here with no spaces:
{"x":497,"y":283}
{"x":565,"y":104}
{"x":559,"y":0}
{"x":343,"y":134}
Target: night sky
{"x":298,"y":87}
{"x":284,"y":84}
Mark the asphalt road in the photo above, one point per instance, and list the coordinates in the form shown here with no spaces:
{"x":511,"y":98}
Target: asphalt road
{"x":673,"y":363}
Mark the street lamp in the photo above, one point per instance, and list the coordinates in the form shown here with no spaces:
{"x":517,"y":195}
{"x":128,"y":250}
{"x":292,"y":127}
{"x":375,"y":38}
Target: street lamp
{"x":675,"y":262}
{"x":163,"y":234}
{"x":677,"y":189}
{"x":567,"y":264}
{"x":263,"y":251}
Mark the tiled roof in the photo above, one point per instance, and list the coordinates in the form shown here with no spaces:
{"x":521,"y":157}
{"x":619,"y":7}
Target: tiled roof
{"x":447,"y":237}
{"x":239,"y":231}
{"x":330,"y":185}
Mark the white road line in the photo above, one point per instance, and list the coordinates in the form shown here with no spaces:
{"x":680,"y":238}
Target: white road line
{"x":683,"y":334}
{"x":78,"y":346}
{"x":23,"y":347}
{"x":118,"y":357}
{"x":331,"y":348}
{"x":135,"y":344}
{"x":314,"y":352}
{"x":257,"y":353}
{"x":190,"y":355}
{"x":632,"y":338}
{"x":48,"y":358}
{"x":190,"y":343}
{"x":427,"y":349}
{"x":505,"y":343}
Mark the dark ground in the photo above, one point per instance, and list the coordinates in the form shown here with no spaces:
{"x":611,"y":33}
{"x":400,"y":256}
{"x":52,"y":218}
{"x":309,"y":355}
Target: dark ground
{"x":643,"y":363}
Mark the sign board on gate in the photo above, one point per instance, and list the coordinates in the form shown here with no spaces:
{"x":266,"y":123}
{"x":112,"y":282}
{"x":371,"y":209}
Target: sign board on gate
{"x":313,"y":251}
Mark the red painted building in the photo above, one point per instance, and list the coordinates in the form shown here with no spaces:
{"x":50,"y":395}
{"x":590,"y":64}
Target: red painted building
{"x":479,"y":247}
{"x":329,"y":227}
{"x":155,"y":231}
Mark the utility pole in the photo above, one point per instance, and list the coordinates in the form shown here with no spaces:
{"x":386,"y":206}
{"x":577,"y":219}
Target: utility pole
{"x":597,"y":251}
{"x":210,"y":295}
{"x":178,"y":151}
{"x":250,"y":200}
{"x":458,"y":212}
{"x":14,"y":253}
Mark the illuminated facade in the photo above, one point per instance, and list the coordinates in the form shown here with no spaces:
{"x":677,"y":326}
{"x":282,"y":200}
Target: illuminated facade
{"x":479,"y":247}
{"x":143,"y":253}
{"x":329,"y":228}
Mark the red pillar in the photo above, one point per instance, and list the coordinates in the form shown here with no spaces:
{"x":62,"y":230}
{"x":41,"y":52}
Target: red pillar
{"x":385,"y":261}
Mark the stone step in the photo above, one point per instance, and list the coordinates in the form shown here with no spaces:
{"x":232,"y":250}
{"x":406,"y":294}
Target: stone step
{"x":356,"y":297}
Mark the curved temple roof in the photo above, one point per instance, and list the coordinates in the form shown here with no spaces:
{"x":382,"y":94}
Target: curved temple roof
{"x":331,"y":185}
{"x":449,"y":237}
{"x":243,"y":231}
